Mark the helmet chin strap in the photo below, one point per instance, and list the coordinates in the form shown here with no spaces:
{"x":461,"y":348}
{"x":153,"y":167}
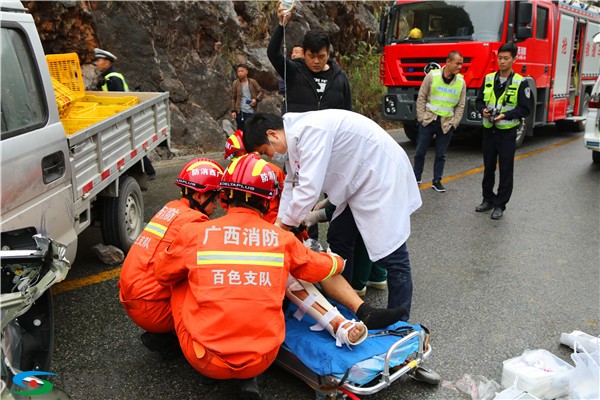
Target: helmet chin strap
{"x":197,"y":206}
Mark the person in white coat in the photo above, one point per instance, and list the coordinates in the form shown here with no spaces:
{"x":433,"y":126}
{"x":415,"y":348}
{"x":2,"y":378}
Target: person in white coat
{"x":365,"y":173}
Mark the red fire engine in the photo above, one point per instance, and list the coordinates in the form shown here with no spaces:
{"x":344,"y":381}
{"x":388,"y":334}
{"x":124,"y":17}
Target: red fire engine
{"x":556,"y":55}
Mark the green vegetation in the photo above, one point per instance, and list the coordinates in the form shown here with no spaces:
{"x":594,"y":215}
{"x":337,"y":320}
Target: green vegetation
{"x":362,"y":68}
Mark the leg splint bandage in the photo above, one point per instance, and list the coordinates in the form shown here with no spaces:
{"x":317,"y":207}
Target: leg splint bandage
{"x":323,"y":320}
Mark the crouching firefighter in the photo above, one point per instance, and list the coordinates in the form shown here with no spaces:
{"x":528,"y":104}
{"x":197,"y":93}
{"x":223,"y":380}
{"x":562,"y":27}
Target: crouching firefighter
{"x":145,"y":301}
{"x":229,"y":278}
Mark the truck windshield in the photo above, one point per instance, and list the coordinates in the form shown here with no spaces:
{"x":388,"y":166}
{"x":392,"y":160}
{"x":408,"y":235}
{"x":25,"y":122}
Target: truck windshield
{"x":446,"y":21}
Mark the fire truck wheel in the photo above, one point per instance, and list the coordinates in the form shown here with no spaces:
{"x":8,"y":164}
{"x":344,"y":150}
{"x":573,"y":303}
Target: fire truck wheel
{"x":411,"y":130}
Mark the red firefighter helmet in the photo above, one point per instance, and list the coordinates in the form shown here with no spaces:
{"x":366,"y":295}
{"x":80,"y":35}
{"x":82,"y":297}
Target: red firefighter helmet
{"x":201,"y":175}
{"x":234,"y":146}
{"x":251,"y":174}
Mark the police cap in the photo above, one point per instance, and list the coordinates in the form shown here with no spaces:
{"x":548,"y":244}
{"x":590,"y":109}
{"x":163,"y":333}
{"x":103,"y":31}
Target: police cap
{"x":99,"y":53}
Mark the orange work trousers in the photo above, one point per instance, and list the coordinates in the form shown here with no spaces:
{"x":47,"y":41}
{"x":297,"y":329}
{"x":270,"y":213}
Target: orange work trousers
{"x":151,"y":315}
{"x":202,"y":359}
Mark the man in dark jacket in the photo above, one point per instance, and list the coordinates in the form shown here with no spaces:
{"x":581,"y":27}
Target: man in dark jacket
{"x":314,"y":82}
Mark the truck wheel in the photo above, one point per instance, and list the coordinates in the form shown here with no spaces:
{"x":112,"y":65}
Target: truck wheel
{"x":123,"y":216}
{"x":596,"y":157}
{"x":525,"y":129}
{"x":411,"y":130}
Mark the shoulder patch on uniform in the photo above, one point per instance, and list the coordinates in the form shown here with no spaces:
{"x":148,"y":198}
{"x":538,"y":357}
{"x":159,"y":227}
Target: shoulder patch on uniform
{"x":527,"y":92}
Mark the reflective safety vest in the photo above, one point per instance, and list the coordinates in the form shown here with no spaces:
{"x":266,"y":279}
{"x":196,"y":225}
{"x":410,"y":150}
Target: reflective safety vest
{"x":137,"y":275}
{"x":508,"y":101}
{"x":443,"y":97}
{"x":116,"y":75}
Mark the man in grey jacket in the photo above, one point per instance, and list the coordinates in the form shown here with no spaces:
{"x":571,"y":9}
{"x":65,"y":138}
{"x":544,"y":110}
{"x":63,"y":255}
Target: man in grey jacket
{"x":440,"y":107}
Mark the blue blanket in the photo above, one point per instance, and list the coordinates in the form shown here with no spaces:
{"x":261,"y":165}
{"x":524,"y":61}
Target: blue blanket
{"x":317,"y":350}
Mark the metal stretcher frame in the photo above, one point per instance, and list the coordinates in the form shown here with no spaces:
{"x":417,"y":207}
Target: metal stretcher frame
{"x":329,"y":385}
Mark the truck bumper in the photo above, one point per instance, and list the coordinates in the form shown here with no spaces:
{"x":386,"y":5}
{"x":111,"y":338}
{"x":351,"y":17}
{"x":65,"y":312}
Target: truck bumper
{"x":400,"y":104}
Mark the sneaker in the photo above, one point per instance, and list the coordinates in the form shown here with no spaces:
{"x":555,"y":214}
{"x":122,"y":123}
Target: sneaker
{"x":151,"y":177}
{"x":378,"y":285}
{"x":419,"y":180}
{"x":362,"y":292}
{"x":438,"y":187}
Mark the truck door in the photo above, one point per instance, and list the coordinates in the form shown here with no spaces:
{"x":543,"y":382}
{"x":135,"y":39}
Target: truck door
{"x":36,"y":175}
{"x":562,"y":66}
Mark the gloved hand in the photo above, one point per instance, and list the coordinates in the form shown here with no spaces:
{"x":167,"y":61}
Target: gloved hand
{"x":322,"y":204}
{"x":315,"y":217}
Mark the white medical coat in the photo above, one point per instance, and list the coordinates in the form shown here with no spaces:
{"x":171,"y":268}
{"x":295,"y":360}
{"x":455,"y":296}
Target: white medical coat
{"x":357,"y":164}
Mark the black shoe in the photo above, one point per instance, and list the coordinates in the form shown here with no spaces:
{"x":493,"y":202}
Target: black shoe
{"x":151,"y":177}
{"x":377,"y":318}
{"x":497,"y":213}
{"x":166,"y":344}
{"x":250,"y":389}
{"x":438,"y":187}
{"x":484,"y":206}
{"x":205,"y":380}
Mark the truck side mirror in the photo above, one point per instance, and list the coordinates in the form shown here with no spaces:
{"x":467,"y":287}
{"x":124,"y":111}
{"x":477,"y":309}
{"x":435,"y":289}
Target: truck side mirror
{"x":524,"y":20}
{"x":383,"y":21}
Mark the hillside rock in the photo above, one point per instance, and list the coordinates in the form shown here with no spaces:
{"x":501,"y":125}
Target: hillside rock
{"x":190,"y":48}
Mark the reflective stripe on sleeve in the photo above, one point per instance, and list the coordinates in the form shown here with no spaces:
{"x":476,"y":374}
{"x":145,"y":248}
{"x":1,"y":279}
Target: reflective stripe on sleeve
{"x":334,"y":267}
{"x":239,"y":258}
{"x":157,"y":229}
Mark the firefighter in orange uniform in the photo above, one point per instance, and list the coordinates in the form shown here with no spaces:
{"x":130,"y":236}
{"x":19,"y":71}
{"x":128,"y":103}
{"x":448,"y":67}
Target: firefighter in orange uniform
{"x":229,"y":279}
{"x":234,"y":147}
{"x":145,"y":301}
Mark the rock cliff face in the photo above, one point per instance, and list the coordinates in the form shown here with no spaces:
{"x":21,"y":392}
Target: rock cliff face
{"x":189,"y":48}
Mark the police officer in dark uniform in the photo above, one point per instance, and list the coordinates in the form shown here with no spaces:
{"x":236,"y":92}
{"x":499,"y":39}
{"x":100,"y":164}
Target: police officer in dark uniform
{"x":503,"y":100}
{"x":111,"y":81}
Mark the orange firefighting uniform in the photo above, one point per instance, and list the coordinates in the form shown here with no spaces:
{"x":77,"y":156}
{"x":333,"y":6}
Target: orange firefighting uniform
{"x":230,"y":277}
{"x":271,"y":215}
{"x":145,"y":301}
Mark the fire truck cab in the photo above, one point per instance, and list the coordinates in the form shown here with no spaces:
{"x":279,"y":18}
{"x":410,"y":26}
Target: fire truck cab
{"x":556,"y":55}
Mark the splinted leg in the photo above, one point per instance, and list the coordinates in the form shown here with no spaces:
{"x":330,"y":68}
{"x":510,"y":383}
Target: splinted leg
{"x":338,"y":289}
{"x":309,"y":300}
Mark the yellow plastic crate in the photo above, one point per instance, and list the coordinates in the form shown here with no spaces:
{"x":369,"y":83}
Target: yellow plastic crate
{"x":80,"y":107}
{"x":65,"y":69}
{"x":111,"y":101}
{"x":73,"y":125}
{"x":64,"y":97}
{"x":100,"y":112}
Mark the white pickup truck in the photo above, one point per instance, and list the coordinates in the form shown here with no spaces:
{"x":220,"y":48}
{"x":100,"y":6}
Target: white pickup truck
{"x":58,"y":185}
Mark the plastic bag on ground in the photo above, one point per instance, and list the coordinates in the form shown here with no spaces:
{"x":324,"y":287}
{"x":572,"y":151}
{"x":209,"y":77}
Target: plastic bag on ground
{"x":479,"y":387}
{"x":585,"y":379}
{"x":590,"y":343}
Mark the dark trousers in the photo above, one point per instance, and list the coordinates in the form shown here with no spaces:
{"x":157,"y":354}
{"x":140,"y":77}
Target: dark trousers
{"x":148,"y":166}
{"x":363,"y":269}
{"x":441,"y":146}
{"x":341,"y":237}
{"x":499,"y":146}
{"x":240,"y":118}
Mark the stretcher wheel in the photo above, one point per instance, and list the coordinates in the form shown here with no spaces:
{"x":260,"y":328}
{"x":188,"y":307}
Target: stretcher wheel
{"x":424,"y":375}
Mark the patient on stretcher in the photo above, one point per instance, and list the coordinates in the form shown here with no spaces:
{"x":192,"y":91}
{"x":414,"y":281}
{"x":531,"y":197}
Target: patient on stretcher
{"x":347,"y":332}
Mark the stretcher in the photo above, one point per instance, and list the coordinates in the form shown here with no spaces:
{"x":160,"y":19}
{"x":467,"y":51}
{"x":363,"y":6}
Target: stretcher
{"x":337,"y":373}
